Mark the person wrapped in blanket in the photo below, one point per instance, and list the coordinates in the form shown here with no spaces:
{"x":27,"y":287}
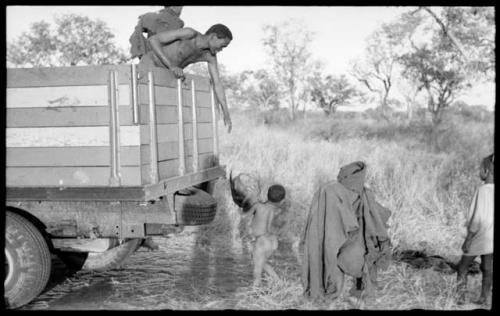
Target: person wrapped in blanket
{"x":345,"y":234}
{"x":245,"y":191}
{"x":479,"y":239}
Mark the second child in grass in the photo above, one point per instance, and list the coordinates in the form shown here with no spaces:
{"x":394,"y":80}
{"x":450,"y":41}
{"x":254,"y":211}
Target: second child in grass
{"x":479,"y":239}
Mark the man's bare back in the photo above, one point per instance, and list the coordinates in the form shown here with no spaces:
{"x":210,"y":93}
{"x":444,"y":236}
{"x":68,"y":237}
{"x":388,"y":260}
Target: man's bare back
{"x":180,"y":53}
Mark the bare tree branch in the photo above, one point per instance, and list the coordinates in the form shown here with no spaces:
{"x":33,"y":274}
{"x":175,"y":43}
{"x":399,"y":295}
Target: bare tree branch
{"x":446,"y":32}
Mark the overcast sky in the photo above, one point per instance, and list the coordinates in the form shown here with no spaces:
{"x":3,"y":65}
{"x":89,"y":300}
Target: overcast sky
{"x":340,"y":32}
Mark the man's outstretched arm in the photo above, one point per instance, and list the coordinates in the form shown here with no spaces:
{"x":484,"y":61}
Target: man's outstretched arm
{"x":163,"y":38}
{"x":213,"y":69}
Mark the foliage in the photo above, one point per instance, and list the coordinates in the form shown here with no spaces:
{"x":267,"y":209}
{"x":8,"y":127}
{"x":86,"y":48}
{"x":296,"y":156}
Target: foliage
{"x":436,"y":60}
{"x":439,"y":74}
{"x":261,"y":90}
{"x":328,"y":92}
{"x":287,"y":44}
{"x":76,"y":40}
{"x":471,"y":31}
{"x":232,"y":83}
{"x":376,"y":71}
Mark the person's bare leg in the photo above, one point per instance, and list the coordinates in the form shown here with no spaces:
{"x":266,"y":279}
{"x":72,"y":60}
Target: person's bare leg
{"x":259,"y":261}
{"x":462,"y":270}
{"x":487,"y":271}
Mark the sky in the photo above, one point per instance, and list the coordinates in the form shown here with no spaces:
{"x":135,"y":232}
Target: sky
{"x":339,"y":32}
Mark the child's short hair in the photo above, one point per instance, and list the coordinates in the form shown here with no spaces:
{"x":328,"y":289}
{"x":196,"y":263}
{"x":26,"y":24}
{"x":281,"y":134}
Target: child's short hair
{"x":487,"y":166}
{"x":276,"y":193}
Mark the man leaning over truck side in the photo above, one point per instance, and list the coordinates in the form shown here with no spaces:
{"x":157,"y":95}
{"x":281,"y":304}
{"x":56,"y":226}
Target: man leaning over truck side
{"x":176,"y":49}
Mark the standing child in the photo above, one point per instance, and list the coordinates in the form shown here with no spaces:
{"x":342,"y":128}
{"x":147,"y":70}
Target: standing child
{"x":264,"y":241}
{"x":479,"y":240}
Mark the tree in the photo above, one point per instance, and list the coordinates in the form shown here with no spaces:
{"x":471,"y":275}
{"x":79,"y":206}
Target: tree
{"x":471,"y":31}
{"x":439,"y":74}
{"x":287,"y":45}
{"x":328,"y":92}
{"x":410,"y":90}
{"x":446,"y":61}
{"x":376,"y":72}
{"x":76,"y":40}
{"x":261,"y":90}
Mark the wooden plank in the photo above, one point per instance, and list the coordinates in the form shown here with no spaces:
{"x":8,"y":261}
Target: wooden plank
{"x":69,"y":156}
{"x":106,"y":193}
{"x":68,"y":176}
{"x":166,"y":169}
{"x":170,"y":168}
{"x":167,"y":114}
{"x":171,"y":185}
{"x":168,"y":96}
{"x":170,"y":150}
{"x":165,"y":78}
{"x":65,"y":76}
{"x":94,"y":193}
{"x":207,"y":160}
{"x":169,"y":132}
{"x":64,"y":96}
{"x":69,"y":136}
{"x":65,"y":116}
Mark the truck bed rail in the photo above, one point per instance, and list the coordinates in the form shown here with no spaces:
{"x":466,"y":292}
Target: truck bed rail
{"x":106,"y":193}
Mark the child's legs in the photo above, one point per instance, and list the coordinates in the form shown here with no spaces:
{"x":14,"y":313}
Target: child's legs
{"x":463,"y":267}
{"x":263,"y":248}
{"x":487,"y":270}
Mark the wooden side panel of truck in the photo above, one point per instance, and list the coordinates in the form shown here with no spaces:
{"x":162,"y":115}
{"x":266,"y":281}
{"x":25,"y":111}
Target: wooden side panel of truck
{"x":60,"y":133}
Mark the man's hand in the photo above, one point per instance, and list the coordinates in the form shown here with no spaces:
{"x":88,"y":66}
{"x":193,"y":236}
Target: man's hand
{"x":178,"y":72}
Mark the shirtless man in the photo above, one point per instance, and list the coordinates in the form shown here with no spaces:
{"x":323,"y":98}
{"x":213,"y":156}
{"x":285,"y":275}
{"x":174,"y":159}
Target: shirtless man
{"x":176,"y":49}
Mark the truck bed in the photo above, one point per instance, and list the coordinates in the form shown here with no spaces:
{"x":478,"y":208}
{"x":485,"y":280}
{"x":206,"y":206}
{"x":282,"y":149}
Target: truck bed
{"x":102,"y":132}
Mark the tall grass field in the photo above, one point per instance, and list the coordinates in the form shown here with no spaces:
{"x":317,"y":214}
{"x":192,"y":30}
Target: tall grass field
{"x":425,"y":175}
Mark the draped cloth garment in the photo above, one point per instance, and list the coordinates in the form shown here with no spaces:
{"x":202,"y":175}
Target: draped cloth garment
{"x":345,"y":233}
{"x":480,"y":221}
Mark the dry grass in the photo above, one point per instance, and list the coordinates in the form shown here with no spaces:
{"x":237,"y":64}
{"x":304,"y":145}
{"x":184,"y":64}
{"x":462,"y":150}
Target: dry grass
{"x":426,"y":184}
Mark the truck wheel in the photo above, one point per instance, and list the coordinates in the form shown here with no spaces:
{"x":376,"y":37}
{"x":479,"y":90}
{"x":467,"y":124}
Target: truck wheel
{"x":27,"y":261}
{"x":194,"y":207}
{"x":100,"y":261}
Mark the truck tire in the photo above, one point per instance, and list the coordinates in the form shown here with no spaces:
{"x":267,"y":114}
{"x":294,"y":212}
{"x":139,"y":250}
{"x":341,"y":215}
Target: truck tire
{"x":27,"y":261}
{"x":194,"y":207}
{"x":207,"y":186}
{"x":100,"y":261}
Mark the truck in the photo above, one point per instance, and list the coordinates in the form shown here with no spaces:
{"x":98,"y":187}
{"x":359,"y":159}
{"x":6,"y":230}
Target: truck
{"x":99,"y":158}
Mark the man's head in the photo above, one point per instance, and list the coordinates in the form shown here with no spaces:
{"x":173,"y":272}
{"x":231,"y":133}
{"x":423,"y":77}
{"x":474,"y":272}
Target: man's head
{"x":487,"y":170}
{"x":276,"y":193}
{"x":219,"y":36}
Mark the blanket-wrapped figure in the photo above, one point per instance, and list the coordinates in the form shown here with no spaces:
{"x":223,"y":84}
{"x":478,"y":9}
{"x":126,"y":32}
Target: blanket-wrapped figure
{"x":345,"y":234}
